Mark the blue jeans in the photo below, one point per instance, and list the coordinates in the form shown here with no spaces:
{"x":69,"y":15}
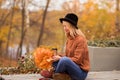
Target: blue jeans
{"x":66,"y":65}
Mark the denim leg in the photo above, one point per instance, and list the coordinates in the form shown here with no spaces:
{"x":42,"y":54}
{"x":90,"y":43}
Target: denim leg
{"x":66,"y":65}
{"x":54,"y":65}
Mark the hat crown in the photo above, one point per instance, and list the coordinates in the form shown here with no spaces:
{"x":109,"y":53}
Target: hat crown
{"x":72,"y":17}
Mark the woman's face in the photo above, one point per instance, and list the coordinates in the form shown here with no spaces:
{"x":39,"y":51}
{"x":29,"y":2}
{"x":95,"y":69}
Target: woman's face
{"x":66,"y":26}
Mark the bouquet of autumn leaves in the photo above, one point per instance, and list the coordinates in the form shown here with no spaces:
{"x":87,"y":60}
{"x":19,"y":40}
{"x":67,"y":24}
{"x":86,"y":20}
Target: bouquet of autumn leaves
{"x":43,"y":60}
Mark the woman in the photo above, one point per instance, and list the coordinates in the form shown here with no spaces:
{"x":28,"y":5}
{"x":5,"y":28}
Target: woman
{"x":76,"y":62}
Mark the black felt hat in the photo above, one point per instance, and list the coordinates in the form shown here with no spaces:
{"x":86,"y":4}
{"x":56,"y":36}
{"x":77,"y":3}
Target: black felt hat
{"x":71,"y":18}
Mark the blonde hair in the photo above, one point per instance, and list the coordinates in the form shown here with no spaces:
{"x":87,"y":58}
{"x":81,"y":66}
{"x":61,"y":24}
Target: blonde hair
{"x":74,"y":32}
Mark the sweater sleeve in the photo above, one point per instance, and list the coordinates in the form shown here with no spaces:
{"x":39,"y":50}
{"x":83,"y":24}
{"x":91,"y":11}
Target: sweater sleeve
{"x":78,"y":53}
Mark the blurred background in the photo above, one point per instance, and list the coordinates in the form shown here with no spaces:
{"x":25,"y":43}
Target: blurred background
{"x":28,"y":24}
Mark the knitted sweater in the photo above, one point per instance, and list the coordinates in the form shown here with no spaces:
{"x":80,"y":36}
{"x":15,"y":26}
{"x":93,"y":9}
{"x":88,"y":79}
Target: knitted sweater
{"x":77,"y":51}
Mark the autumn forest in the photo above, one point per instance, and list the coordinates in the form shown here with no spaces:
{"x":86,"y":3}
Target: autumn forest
{"x":22,"y":30}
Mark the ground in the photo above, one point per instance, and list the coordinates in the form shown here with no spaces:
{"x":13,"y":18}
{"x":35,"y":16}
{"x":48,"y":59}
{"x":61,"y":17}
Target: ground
{"x":101,"y":75}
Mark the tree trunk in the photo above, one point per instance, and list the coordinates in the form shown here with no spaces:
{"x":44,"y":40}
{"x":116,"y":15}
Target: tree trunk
{"x":117,"y":16}
{"x":19,"y":51}
{"x":25,"y":25}
{"x":42,"y":25}
{"x":9,"y":33}
{"x":27,"y":20}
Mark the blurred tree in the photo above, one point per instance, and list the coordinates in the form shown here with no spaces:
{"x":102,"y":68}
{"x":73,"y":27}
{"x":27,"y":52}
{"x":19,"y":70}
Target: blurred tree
{"x":72,"y":6}
{"x":25,"y":25}
{"x":3,"y":39}
{"x":3,"y":16}
{"x":42,"y":25}
{"x":97,"y":22}
{"x":118,"y":15}
{"x":10,"y":28}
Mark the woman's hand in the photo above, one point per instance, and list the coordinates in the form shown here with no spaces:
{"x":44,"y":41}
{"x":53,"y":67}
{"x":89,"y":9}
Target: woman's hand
{"x":56,"y":58}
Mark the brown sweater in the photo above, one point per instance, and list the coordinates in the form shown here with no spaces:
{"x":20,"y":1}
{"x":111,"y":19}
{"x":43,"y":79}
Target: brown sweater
{"x":77,"y":51}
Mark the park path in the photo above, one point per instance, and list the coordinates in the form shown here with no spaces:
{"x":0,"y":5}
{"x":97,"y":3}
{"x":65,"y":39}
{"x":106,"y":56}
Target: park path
{"x":102,"y":75}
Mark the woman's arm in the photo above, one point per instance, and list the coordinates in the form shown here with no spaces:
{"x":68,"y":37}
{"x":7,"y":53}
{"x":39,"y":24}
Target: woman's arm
{"x":78,"y":52}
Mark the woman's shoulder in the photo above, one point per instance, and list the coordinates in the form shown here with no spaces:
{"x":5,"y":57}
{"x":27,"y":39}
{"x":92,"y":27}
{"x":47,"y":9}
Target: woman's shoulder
{"x":80,"y":38}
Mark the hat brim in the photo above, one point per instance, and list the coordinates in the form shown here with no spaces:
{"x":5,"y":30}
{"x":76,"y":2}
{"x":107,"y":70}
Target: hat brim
{"x":68,"y":20}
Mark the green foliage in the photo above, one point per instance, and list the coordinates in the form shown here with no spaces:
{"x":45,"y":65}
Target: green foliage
{"x":25,"y":65}
{"x":104,"y":43}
